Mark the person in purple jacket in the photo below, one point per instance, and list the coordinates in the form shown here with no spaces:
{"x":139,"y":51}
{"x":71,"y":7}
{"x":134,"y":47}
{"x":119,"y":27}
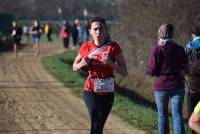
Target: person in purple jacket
{"x":167,"y":63}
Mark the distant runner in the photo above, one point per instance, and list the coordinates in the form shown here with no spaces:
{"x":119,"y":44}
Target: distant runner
{"x":16,"y":37}
{"x":36,"y":33}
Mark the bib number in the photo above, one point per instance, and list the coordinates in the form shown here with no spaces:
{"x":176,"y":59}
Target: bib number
{"x":104,"y":85}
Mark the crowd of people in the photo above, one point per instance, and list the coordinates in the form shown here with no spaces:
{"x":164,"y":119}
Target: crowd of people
{"x":169,"y":62}
{"x":76,"y":31}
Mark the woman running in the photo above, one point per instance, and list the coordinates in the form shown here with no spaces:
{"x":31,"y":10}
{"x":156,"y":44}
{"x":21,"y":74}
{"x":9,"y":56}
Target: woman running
{"x":101,"y":57}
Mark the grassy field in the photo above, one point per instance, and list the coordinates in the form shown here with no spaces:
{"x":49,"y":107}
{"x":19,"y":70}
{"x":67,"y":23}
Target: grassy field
{"x":135,"y":111}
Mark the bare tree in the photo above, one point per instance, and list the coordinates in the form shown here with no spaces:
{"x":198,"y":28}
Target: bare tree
{"x":137,"y":28}
{"x":139,"y":21}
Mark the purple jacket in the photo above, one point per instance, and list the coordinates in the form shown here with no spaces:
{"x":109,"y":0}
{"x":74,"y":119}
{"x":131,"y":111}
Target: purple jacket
{"x":167,"y":60}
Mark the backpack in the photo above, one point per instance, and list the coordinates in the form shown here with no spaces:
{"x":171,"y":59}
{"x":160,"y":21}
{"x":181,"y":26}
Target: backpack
{"x":193,"y":56}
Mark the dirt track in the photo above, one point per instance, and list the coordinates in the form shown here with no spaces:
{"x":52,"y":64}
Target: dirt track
{"x":32,"y":102}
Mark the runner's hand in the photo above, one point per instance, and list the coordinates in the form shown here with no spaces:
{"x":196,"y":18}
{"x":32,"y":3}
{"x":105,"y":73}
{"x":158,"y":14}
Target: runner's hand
{"x":85,"y":61}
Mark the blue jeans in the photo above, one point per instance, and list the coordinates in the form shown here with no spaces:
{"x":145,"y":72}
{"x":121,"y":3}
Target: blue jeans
{"x":162,"y":99}
{"x":99,"y":107}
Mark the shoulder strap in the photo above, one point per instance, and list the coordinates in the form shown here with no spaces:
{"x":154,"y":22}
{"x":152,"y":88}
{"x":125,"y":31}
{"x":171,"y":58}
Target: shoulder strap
{"x":97,"y":50}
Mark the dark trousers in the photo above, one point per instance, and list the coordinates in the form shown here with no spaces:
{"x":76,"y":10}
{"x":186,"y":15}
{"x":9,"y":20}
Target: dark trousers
{"x":66,"y":42}
{"x":192,"y":100}
{"x":49,"y":37}
{"x":74,"y":40}
{"x":99,"y":107}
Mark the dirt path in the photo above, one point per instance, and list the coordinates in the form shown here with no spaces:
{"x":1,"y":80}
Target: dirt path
{"x":32,"y":102}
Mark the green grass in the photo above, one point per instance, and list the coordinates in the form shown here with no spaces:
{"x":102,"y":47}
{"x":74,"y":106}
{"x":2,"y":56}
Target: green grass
{"x":142,"y":115}
{"x":61,"y":67}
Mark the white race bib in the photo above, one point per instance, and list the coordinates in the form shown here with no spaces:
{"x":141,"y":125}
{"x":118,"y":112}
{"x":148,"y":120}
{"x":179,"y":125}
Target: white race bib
{"x":104,"y":85}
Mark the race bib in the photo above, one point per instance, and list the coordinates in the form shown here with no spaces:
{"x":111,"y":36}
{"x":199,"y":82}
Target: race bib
{"x":104,"y":85}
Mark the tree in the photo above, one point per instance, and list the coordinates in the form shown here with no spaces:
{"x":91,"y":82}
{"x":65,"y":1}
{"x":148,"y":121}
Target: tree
{"x":48,"y":8}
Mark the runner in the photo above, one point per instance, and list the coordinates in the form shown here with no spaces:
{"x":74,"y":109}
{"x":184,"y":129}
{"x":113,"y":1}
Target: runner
{"x":194,"y":121}
{"x":167,"y":62}
{"x":16,"y":36}
{"x":101,"y":57}
{"x":36,"y":33}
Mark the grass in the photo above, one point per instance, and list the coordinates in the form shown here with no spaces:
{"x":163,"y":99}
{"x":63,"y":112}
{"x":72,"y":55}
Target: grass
{"x":137,"y":112}
{"x":60,"y":66}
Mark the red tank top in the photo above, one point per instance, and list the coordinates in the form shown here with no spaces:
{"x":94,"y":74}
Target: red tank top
{"x":97,"y":68}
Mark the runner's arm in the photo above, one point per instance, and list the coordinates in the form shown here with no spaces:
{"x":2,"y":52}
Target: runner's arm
{"x":80,"y":62}
{"x":120,"y":65}
{"x":194,"y":122}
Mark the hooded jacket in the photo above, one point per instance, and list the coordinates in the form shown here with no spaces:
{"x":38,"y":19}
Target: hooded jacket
{"x":166,"y":62}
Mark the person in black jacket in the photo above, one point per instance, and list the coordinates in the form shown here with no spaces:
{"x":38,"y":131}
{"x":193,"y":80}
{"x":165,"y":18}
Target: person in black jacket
{"x":16,"y":36}
{"x":193,"y":55}
{"x":74,"y":33}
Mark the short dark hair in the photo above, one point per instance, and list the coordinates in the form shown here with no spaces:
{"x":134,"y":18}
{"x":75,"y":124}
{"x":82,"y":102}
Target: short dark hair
{"x":196,"y":30}
{"x":97,"y":19}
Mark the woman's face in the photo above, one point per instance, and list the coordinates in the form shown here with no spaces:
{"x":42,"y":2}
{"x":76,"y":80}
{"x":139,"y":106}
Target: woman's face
{"x":97,"y":31}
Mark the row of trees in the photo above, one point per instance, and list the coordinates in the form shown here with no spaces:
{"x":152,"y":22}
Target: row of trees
{"x":49,"y":8}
